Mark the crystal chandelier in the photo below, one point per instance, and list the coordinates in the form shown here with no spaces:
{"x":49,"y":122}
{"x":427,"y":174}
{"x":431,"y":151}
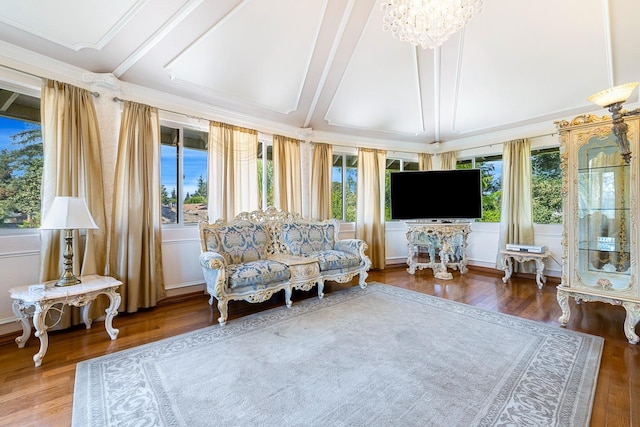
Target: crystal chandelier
{"x":427,"y":23}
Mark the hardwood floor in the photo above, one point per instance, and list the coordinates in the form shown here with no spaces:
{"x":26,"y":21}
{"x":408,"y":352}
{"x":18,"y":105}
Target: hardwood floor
{"x":43,"y":396}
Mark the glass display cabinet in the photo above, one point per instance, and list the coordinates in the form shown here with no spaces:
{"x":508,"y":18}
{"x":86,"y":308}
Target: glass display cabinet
{"x":600,"y":244}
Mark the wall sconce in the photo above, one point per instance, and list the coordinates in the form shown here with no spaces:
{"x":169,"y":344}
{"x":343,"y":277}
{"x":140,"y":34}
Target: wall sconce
{"x":613,"y":99}
{"x":68,"y":213}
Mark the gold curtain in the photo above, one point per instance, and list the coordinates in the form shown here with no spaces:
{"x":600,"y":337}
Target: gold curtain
{"x":425,"y":161}
{"x":232,"y":171}
{"x":516,"y":217}
{"x":287,"y":186}
{"x":370,"y":223}
{"x":448,"y":160}
{"x":72,"y":167}
{"x":136,"y":239}
{"x":321,"y":166}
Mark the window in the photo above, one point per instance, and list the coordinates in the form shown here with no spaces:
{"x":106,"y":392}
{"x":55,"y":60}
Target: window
{"x":265,"y":173}
{"x":394,"y":165}
{"x":491,"y":170}
{"x":183,"y":169}
{"x":344,"y":176}
{"x":546,"y":184}
{"x":20,"y":160}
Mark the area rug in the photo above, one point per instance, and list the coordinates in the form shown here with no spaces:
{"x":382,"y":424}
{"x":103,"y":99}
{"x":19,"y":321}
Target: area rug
{"x":381,"y":356}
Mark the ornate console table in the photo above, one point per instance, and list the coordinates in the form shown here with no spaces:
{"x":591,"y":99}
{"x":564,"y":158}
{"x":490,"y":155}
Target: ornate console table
{"x":36,"y":303}
{"x":508,"y":257}
{"x":445,"y":243}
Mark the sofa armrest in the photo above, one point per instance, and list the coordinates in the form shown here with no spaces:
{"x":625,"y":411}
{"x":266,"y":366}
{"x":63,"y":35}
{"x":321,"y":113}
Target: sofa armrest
{"x":214,"y":268}
{"x":212,"y":260}
{"x":353,"y":246}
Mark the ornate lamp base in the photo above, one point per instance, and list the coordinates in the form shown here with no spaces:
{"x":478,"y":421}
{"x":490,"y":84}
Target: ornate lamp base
{"x":68,"y":278}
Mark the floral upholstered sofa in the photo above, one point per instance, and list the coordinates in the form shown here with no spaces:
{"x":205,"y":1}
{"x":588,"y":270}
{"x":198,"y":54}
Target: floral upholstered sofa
{"x":260,"y":253}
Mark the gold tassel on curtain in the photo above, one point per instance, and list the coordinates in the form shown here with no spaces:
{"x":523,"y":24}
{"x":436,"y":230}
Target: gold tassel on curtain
{"x":136,"y":242}
{"x":321,"y":181}
{"x":370,"y":223}
{"x":72,"y":167}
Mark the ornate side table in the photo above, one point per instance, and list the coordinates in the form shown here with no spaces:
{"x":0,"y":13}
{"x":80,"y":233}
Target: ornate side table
{"x":304,"y":271}
{"x":36,"y":303}
{"x":508,"y":257}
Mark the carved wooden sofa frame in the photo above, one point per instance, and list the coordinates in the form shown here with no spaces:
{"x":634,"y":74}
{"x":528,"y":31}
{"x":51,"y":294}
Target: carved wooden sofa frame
{"x":260,"y":253}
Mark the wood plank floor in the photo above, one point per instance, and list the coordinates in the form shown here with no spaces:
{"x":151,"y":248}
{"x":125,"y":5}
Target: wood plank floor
{"x":43,"y":396}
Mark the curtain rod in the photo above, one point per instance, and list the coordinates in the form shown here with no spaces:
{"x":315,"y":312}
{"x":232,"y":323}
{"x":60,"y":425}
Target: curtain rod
{"x":116,"y":99}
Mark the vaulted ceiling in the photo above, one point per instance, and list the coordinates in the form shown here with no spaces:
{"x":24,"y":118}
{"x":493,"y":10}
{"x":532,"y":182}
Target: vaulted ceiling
{"x":327,"y":65}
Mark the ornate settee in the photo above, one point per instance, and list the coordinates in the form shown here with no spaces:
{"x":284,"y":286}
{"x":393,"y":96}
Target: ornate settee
{"x":260,"y":253}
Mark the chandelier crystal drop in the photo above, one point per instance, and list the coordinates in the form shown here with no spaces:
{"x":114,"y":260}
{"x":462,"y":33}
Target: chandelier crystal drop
{"x":427,"y":23}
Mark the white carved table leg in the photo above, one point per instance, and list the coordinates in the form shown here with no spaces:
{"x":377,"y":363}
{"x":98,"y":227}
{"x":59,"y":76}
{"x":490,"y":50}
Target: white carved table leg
{"x":111,"y":311}
{"x":19,"y":310}
{"x":563,"y":300}
{"x":630,"y":322}
{"x":540,"y":279}
{"x":40,"y":324}
{"x":507,"y":266}
{"x":412,"y":267}
{"x":86,"y":319}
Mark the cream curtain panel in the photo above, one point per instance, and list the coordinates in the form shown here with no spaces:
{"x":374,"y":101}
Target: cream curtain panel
{"x":72,"y":167}
{"x":425,"y":161}
{"x":370,"y":223}
{"x":136,"y":239}
{"x":287,"y":177}
{"x":233,"y":171}
{"x":321,"y":166}
{"x":448,"y":160}
{"x":516,"y":217}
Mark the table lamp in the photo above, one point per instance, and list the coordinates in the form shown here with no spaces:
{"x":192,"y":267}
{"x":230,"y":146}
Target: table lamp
{"x":68,"y":213}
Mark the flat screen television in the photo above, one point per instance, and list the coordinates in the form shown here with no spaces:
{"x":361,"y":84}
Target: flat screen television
{"x":436,"y":195}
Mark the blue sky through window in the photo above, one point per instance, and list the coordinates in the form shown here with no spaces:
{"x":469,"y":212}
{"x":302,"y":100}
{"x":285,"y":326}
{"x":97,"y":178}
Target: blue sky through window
{"x":8,"y":128}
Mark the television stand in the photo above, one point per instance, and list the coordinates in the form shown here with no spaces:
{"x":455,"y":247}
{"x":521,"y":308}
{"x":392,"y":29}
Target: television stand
{"x":445,"y":245}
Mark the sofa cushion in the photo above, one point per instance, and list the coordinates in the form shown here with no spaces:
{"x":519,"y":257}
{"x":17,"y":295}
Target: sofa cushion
{"x":335,"y":260}
{"x":302,"y":239}
{"x":257,"y":274}
{"x":241,"y":242}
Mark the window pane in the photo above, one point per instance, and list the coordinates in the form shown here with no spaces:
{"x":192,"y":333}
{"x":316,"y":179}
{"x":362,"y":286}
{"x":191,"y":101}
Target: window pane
{"x":464,"y":164}
{"x":393,"y":165}
{"x":546,"y":186}
{"x":336,"y":187}
{"x":20,"y":161}
{"x":265,"y":178}
{"x":410,"y":166}
{"x":351,"y":194}
{"x":169,"y":174}
{"x":491,"y":169}
{"x":194,"y":160}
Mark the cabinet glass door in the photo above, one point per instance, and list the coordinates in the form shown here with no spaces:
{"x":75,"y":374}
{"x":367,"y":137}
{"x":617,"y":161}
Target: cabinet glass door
{"x":604,"y":256}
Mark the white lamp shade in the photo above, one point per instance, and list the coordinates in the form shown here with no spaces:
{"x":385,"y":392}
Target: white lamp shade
{"x":613,"y":95}
{"x":68,"y":213}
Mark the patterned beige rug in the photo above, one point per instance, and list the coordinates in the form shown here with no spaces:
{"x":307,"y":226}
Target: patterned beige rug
{"x":376,"y":356}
